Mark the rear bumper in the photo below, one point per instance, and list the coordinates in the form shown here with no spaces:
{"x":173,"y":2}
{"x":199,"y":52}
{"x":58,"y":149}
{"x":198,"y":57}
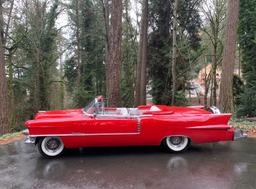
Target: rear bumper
{"x":239,"y":134}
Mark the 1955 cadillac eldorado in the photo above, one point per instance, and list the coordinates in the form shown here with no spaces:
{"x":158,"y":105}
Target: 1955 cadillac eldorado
{"x":100,"y":126}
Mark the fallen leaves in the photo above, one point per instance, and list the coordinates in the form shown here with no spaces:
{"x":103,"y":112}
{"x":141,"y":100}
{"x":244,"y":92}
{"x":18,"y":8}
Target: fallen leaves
{"x":248,"y":126}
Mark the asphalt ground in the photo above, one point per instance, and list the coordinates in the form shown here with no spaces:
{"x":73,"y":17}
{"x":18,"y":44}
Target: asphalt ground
{"x":224,"y":165}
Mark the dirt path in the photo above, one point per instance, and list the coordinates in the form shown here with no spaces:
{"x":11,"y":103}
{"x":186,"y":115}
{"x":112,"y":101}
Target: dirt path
{"x":10,"y":139}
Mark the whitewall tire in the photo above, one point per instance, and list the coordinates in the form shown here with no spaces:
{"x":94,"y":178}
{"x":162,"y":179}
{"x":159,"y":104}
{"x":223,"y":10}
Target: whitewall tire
{"x":50,"y":146}
{"x":176,"y":143}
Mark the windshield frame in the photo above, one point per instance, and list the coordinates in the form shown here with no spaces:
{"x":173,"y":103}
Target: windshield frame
{"x":96,"y":106}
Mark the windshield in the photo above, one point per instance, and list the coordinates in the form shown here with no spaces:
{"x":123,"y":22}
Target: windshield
{"x":90,"y":108}
{"x":95,"y":106}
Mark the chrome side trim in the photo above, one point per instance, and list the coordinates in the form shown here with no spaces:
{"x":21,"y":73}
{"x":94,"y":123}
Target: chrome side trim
{"x":122,"y":116}
{"x":146,"y":115}
{"x":86,"y":134}
{"x":214,"y":127}
{"x":138,"y":125}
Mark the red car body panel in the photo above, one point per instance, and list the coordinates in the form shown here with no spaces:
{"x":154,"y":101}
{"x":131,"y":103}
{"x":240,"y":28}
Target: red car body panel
{"x":149,"y":126}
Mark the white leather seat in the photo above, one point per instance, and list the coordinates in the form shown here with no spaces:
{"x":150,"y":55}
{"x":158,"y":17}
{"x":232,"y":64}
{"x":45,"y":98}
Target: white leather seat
{"x":123,"y":111}
{"x":154,"y":108}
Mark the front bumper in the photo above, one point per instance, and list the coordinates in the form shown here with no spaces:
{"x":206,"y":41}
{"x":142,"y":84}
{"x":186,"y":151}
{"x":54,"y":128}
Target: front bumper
{"x":28,"y":139}
{"x":239,"y":134}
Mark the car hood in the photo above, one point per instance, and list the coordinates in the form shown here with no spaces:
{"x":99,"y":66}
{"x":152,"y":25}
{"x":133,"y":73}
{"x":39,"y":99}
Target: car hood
{"x":59,"y":113}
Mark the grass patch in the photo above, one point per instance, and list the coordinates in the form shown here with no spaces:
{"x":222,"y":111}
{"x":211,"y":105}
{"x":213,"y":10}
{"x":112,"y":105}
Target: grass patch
{"x":9,"y":135}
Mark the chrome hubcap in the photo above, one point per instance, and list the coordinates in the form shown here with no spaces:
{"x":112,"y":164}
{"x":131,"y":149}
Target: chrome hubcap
{"x":176,"y":140}
{"x":53,"y":144}
{"x":177,"y":143}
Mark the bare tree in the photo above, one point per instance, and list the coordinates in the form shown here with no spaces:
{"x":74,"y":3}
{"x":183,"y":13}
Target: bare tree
{"x":226,"y":86}
{"x":141,"y":74}
{"x":214,"y":14}
{"x":8,"y":22}
{"x":113,"y":64}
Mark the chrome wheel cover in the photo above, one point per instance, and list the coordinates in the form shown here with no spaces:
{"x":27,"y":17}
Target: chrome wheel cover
{"x":52,"y":146}
{"x":177,"y":143}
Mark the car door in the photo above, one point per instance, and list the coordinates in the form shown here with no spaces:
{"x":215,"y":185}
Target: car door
{"x":111,"y":131}
{"x":111,"y":125}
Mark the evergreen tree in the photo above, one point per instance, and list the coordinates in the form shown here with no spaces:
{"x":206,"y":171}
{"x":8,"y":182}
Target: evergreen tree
{"x":38,"y":50}
{"x":129,"y":58}
{"x":87,"y":64}
{"x":247,"y":43}
{"x":159,"y":48}
{"x":160,"y":44}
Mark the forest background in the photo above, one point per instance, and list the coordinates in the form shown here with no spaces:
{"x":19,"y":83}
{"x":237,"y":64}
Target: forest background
{"x":61,"y":53}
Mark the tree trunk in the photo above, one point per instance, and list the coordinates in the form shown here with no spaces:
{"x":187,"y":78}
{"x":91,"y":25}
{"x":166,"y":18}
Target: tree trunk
{"x":174,"y":50}
{"x":113,"y":64}
{"x":8,"y":61}
{"x":214,"y":95}
{"x":226,"y":86}
{"x":205,"y":87}
{"x":105,"y":7}
{"x":141,"y":73}
{"x":4,"y":100}
{"x":10,"y":82}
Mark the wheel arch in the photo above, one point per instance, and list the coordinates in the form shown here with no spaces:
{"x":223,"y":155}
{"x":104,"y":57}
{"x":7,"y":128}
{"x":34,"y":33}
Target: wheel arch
{"x":41,"y":137}
{"x":38,"y":138}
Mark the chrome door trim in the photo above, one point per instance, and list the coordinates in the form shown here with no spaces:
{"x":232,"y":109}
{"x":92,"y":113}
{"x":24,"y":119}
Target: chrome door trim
{"x":86,"y":134}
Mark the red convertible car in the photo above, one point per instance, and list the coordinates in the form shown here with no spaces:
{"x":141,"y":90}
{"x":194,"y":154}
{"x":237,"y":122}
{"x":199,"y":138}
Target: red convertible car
{"x":97,"y":125}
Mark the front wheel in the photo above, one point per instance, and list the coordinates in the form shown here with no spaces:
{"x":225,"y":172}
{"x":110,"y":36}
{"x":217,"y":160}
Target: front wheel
{"x":50,"y":147}
{"x":176,"y":143}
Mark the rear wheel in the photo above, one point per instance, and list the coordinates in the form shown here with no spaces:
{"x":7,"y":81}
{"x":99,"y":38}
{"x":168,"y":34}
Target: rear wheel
{"x":50,"y":147}
{"x":176,"y":143}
